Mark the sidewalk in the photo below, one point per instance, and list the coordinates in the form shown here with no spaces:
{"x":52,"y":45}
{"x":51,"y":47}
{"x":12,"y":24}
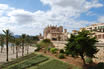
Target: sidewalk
{"x":13,"y":56}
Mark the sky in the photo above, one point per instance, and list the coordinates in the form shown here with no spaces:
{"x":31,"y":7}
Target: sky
{"x":32,"y":16}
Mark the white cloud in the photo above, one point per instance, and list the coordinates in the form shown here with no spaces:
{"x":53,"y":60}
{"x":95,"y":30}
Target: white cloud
{"x":90,"y":13}
{"x":74,"y":5}
{"x":62,"y":12}
{"x":3,"y":7}
{"x":21,"y":17}
{"x":101,"y":19}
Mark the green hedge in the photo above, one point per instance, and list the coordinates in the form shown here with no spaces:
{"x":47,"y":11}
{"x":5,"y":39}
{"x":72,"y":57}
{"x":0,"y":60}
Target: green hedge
{"x":61,"y":56}
{"x":28,"y":63}
{"x":17,"y":60}
{"x":88,"y":60}
{"x":53,"y":50}
{"x":54,"y":64}
{"x":100,"y":65}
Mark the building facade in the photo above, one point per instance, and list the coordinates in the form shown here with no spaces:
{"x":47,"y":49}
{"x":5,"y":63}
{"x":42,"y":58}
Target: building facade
{"x":98,"y":30}
{"x":55,"y":33}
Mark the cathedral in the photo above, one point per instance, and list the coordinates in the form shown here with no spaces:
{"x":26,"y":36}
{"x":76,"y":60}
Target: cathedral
{"x":55,"y":33}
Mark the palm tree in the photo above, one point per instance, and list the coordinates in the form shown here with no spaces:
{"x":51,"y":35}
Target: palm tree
{"x":2,"y":42}
{"x":23,"y":42}
{"x":7,"y":35}
{"x":12,"y":40}
{"x":29,"y":42}
{"x":17,"y":42}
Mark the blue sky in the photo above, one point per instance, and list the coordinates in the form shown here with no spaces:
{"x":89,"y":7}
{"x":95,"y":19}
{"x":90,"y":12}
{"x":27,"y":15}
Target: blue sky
{"x":32,"y":16}
{"x":29,"y":5}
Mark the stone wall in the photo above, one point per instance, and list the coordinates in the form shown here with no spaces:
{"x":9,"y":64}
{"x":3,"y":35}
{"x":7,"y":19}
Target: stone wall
{"x":99,"y":55}
{"x":59,"y":44}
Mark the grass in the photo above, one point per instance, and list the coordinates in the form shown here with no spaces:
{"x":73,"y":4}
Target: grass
{"x":28,"y":63}
{"x":48,"y":65}
{"x":54,"y":64}
{"x":37,"y":61}
{"x":17,"y":60}
{"x":51,"y":64}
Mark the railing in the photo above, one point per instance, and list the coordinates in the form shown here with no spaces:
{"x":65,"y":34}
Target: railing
{"x":99,"y":44}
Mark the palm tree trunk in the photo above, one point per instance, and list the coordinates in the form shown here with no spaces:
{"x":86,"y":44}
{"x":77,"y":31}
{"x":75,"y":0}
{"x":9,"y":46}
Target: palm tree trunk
{"x":13,"y":50}
{"x":27,"y":49}
{"x":7,"y":46}
{"x":1,"y":49}
{"x":23,"y":48}
{"x":16,"y":51}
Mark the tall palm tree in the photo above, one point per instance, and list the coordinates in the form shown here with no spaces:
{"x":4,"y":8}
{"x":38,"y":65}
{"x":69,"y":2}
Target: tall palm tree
{"x":17,"y":42}
{"x":12,"y":41}
{"x":23,"y":42}
{"x":2,"y":42}
{"x":28,"y":42}
{"x":7,"y":36}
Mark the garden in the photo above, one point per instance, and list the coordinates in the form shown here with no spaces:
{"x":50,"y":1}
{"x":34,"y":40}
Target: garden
{"x":35,"y":61}
{"x":81,"y":46}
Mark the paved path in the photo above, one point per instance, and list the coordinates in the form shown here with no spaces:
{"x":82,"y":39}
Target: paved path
{"x":13,"y":56}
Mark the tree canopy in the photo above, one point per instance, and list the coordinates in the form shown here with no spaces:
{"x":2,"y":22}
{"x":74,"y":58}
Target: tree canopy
{"x":82,"y":45}
{"x":45,"y":43}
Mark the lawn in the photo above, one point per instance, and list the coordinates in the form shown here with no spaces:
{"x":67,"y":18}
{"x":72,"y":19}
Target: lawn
{"x":17,"y":60}
{"x":36,"y":61}
{"x":28,"y":63}
{"x":54,"y":64}
{"x":51,"y":64}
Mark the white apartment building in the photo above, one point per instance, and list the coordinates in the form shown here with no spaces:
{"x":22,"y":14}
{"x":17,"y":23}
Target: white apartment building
{"x":98,"y":29}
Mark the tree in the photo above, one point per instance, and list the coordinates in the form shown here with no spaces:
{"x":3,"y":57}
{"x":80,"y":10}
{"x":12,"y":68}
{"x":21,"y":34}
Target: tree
{"x":28,"y":42}
{"x":82,"y":45}
{"x":12,"y":41}
{"x":34,"y":39}
{"x":2,"y":42}
{"x":23,"y":42}
{"x":17,"y":42}
{"x":8,"y":34}
{"x":46,"y":43}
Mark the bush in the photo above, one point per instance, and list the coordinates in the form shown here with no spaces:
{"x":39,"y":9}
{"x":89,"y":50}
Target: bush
{"x":100,"y":65}
{"x":88,"y":60}
{"x":61,"y":51}
{"x":47,"y":49}
{"x":67,"y":52}
{"x":38,"y":47}
{"x":53,"y":50}
{"x":61,"y":56}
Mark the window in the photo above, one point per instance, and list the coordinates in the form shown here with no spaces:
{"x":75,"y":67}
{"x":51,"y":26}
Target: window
{"x":103,"y":36}
{"x":99,"y":36}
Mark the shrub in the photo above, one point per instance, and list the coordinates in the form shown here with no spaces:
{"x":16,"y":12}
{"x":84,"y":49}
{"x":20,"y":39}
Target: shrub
{"x":67,"y":52}
{"x":61,"y":51}
{"x":100,"y":65}
{"x":38,"y":47}
{"x":53,"y":50}
{"x":88,"y":60}
{"x":47,"y":49}
{"x":61,"y":56}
